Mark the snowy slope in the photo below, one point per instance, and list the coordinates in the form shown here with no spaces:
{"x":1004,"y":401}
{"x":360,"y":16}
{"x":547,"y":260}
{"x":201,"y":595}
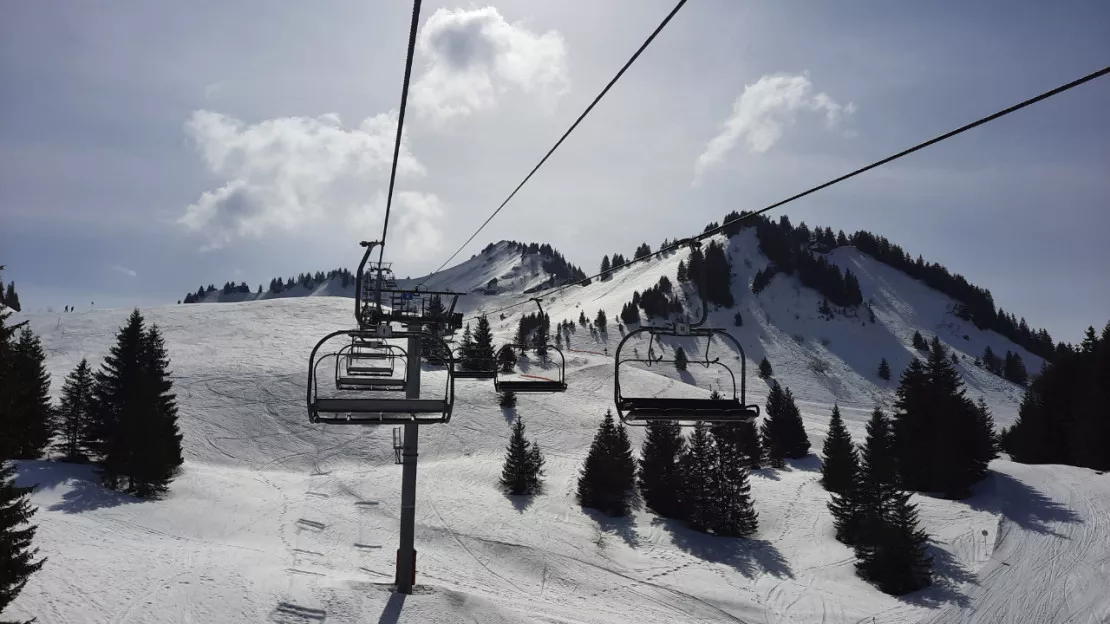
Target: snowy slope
{"x":274,"y":519}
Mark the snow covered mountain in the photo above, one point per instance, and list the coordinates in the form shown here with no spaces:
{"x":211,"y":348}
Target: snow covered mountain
{"x":274,"y":519}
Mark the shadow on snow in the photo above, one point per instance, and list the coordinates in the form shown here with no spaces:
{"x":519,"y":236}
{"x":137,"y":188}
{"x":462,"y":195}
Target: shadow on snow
{"x":747,"y":556}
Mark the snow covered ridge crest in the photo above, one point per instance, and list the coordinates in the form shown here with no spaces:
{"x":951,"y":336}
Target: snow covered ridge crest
{"x":505,"y":266}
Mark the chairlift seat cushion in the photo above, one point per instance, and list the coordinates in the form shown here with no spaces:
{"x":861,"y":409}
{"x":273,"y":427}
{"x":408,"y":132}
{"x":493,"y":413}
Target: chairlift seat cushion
{"x":709,"y":410}
{"x":531,"y":386}
{"x":377,"y":383}
{"x":370,"y":370}
{"x":474,"y":374}
{"x":380,"y":406}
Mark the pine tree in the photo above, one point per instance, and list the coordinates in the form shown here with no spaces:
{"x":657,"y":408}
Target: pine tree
{"x":11,"y":298}
{"x":840,"y":467}
{"x":897,"y":560}
{"x":608,"y":478}
{"x":660,"y":476}
{"x":17,"y":556}
{"x":765,"y":369}
{"x":738,"y":320}
{"x":507,"y":399}
{"x":749,"y":443}
{"x":1014,"y":369}
{"x":29,"y":423}
{"x":683,"y":276}
{"x":8,"y":386}
{"x":75,"y":413}
{"x":605,"y":267}
{"x":582,"y":318}
{"x":884,"y":370}
{"x":783,"y":433}
{"x":466,"y":351}
{"x":699,"y":467}
{"x":483,"y":353}
{"x":601,"y":321}
{"x":523,"y":469}
{"x":876,"y":485}
{"x":506,"y":358}
{"x":157,"y":455}
{"x":733,"y":515}
{"x":991,"y":362}
{"x":680,"y":359}
{"x":919,"y":342}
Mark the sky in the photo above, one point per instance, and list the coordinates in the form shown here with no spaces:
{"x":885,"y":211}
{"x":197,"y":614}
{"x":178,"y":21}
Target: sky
{"x":149,"y":149}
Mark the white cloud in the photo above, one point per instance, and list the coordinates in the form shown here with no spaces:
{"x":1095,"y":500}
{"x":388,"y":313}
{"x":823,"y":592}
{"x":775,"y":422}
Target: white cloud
{"x":474,"y":56}
{"x":126,"y":271}
{"x":761,"y":113}
{"x":287,"y":173}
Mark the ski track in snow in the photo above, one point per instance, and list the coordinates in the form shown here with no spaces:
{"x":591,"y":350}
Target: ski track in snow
{"x":277,"y":520}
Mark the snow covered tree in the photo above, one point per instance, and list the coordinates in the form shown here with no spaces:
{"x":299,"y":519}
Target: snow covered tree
{"x":660,"y":475}
{"x":783,"y":433}
{"x":608,"y":478}
{"x":884,"y":370}
{"x":75,"y":413}
{"x":17,"y":557}
{"x":733,"y":515}
{"x":765,"y":369}
{"x":522,"y":472}
{"x":680,"y":359}
{"x":919,"y":342}
{"x":28,"y":424}
{"x":896,"y":560}
{"x":699,"y":467}
{"x":840,"y":467}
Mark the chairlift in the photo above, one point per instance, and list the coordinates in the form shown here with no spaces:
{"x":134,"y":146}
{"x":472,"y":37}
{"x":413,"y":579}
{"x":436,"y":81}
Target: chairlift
{"x":642,"y":410}
{"x":533,"y":383}
{"x":350,"y":375}
{"x":361,"y":402}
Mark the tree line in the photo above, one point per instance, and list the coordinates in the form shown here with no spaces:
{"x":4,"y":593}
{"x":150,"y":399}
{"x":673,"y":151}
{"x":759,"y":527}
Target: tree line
{"x":9,"y":297}
{"x":1064,"y":418}
{"x":276,"y":286}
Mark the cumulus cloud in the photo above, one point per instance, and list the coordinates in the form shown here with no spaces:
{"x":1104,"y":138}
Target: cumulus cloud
{"x":761,"y":113}
{"x":472,"y":56}
{"x":126,"y":271}
{"x":287,"y":173}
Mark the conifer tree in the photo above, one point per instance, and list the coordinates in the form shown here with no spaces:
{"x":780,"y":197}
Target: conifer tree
{"x":601,"y":320}
{"x":523,"y":469}
{"x":608,"y":477}
{"x":466,"y":351}
{"x":660,"y":476}
{"x":699,"y":468}
{"x":765,"y":369}
{"x":507,"y":399}
{"x":1014,"y":369}
{"x":8,"y":386}
{"x":990,"y":361}
{"x":749,"y":443}
{"x":157,"y":457}
{"x":683,"y":276}
{"x":896,"y":560}
{"x":29,"y":423}
{"x":840,"y":467}
{"x":17,"y":557}
{"x":483,"y":353}
{"x":75,"y":413}
{"x":605,"y":267}
{"x":857,"y":514}
{"x":783,"y":433}
{"x":884,"y":370}
{"x":919,"y":341}
{"x":582,"y":318}
{"x":680,"y":359}
{"x":11,"y":298}
{"x":506,"y":358}
{"x":733,"y":515}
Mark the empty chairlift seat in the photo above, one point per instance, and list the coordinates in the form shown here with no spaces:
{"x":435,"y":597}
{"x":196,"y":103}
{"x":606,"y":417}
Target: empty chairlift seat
{"x":371,"y":400}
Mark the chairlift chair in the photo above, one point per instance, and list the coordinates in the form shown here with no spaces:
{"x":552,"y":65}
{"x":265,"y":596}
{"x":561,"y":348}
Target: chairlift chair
{"x":533,"y":383}
{"x":479,"y":368}
{"x":370,"y":407}
{"x":641,"y":410}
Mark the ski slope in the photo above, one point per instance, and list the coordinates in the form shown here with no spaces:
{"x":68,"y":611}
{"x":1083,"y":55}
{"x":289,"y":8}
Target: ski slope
{"x":277,"y":520}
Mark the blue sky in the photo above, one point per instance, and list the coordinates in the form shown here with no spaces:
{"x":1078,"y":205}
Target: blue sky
{"x":147,"y":150}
